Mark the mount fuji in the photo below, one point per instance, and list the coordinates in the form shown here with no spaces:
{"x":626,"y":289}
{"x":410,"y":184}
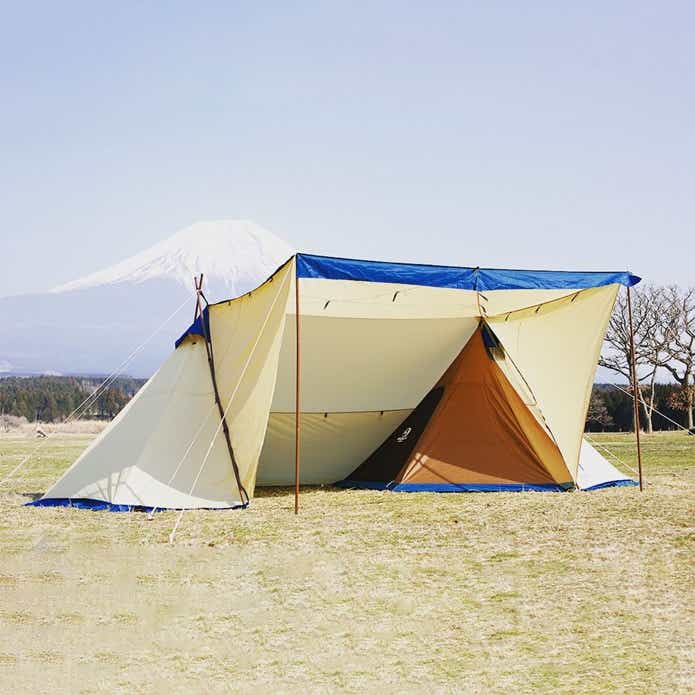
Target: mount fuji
{"x":92,"y":325}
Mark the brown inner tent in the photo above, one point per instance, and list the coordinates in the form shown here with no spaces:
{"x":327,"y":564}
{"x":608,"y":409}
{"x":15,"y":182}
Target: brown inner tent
{"x":472,"y":431}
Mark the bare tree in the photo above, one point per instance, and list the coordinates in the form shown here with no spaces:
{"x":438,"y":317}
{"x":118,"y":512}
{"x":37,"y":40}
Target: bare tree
{"x":617,"y":348}
{"x":598,"y":412}
{"x":680,"y":329}
{"x":658,"y":343}
{"x":683,"y":400}
{"x":652,"y":317}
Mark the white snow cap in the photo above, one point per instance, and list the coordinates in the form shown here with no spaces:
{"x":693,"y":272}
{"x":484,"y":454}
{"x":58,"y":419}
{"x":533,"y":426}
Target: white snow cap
{"x":234,"y":255}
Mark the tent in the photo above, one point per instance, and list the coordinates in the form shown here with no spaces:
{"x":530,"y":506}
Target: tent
{"x":390,"y":375}
{"x":595,"y":472}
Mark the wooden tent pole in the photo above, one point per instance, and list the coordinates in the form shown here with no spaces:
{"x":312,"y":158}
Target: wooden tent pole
{"x":198,"y":282}
{"x":635,"y":390}
{"x":297,"y":410}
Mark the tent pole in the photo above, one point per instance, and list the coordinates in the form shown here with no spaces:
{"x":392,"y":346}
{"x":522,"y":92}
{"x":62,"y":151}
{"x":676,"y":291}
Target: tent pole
{"x":297,"y":411}
{"x":198,"y":282}
{"x":635,"y":390}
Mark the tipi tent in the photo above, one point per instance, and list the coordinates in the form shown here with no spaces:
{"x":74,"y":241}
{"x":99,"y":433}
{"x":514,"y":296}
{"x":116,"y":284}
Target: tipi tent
{"x":474,"y":432}
{"x":411,"y":377}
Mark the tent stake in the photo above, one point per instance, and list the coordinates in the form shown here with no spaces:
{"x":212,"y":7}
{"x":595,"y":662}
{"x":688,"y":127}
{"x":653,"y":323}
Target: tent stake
{"x":297,"y":411}
{"x":635,"y":391}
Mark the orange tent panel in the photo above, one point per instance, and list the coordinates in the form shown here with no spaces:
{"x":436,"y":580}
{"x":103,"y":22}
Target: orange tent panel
{"x":472,"y":431}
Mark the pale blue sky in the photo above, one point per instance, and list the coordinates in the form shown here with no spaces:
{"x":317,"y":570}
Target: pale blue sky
{"x":530,"y":134}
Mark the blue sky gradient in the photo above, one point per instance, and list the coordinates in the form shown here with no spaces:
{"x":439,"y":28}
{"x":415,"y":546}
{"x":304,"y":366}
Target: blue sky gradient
{"x":536,"y":134}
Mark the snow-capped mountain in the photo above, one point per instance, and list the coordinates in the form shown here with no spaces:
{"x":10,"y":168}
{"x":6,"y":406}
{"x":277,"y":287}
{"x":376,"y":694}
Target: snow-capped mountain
{"x":92,"y":325}
{"x":234,"y":255}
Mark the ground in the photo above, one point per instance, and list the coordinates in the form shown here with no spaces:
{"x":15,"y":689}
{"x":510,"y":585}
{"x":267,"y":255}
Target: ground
{"x":362,"y":592}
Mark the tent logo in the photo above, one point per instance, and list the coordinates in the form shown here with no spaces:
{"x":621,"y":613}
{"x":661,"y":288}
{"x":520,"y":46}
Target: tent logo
{"x":404,"y":435}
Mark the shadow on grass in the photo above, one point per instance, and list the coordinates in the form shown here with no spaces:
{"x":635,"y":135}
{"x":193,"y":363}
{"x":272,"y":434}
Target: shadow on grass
{"x":32,"y":496}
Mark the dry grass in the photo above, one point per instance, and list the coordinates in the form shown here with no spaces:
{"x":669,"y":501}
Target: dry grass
{"x":363,"y":592}
{"x":13,"y":427}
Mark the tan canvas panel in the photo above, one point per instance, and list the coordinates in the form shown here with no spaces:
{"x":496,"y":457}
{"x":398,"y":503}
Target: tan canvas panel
{"x":360,"y":365}
{"x":166,"y":448}
{"x":332,"y":445}
{"x":556,"y":347}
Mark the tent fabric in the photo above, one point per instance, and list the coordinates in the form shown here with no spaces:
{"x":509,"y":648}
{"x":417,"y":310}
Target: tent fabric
{"x":472,"y":429}
{"x":376,"y":339}
{"x":556,"y":347}
{"x":248,"y":336}
{"x":332,"y":445}
{"x":595,"y":472}
{"x":101,"y":506}
{"x":388,"y":460}
{"x":166,"y":448}
{"x":398,"y":361}
{"x":93,"y":505}
{"x":360,"y":378}
{"x":479,"y":279}
{"x":391,"y":301}
{"x":345,"y":284}
{"x":197,"y":327}
{"x":395,"y":362}
{"x":482,"y":432}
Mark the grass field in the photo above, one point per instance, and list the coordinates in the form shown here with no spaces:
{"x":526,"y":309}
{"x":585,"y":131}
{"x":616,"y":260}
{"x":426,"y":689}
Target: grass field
{"x":363,"y":592}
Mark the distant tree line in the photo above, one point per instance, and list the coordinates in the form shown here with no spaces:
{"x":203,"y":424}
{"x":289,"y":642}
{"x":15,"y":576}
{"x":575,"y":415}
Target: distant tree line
{"x":54,"y":398}
{"x":611,"y":410}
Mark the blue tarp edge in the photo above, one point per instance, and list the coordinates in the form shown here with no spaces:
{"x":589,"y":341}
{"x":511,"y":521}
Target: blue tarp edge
{"x":102,"y":506}
{"x":623,"y":482}
{"x":454,"y":487}
{"x":196,"y":328}
{"x":476,"y":487}
{"x":452,"y":277}
{"x":481,"y":279}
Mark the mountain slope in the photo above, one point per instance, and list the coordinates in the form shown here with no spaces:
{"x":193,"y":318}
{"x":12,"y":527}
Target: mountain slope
{"x":235,"y":256}
{"x":91,"y":325}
